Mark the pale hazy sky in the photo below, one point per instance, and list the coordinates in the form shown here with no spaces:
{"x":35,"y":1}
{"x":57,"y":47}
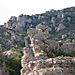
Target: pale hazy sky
{"x":10,"y":8}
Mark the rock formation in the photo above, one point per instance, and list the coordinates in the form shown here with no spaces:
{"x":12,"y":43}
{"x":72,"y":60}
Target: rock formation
{"x":50,"y":66}
{"x":41,"y":41}
{"x":35,"y":60}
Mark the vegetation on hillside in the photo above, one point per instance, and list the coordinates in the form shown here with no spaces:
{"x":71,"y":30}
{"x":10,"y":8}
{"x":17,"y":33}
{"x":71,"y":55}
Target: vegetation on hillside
{"x":61,"y":24}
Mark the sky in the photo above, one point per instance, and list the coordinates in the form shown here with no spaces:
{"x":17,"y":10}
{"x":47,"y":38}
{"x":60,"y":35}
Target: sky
{"x":10,"y":8}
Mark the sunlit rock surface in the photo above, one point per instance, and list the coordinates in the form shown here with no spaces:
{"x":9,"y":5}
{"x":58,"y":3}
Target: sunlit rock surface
{"x":50,"y":66}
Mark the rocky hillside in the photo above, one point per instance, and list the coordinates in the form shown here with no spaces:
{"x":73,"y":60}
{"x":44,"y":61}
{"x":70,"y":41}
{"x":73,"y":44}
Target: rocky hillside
{"x":40,"y":64}
{"x":51,"y":66}
{"x":40,"y":56}
{"x":45,"y":36}
{"x":61,"y":25}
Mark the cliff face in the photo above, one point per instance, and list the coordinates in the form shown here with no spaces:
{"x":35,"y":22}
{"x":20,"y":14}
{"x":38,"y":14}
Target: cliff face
{"x":41,"y":41}
{"x":36,"y":62}
{"x":50,"y":66}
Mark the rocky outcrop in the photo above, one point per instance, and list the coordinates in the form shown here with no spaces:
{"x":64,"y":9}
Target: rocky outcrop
{"x":51,"y":66}
{"x":36,"y":62}
{"x":41,"y":41}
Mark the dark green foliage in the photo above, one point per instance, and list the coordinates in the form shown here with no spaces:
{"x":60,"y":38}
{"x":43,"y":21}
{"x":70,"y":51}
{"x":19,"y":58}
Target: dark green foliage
{"x":13,"y":63}
{"x":59,"y":53}
{"x":72,"y":54}
{"x":56,"y":53}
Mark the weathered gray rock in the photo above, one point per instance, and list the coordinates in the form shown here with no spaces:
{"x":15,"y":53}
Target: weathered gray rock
{"x":51,"y":66}
{"x":39,"y":63}
{"x":40,"y":40}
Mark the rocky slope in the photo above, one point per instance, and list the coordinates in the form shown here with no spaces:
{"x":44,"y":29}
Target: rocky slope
{"x":44,"y":36}
{"x":41,"y":40}
{"x":51,"y":66}
{"x":35,"y":60}
{"x":60,"y":23}
{"x":40,"y":64}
